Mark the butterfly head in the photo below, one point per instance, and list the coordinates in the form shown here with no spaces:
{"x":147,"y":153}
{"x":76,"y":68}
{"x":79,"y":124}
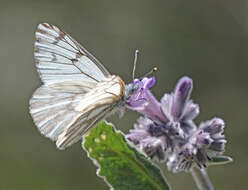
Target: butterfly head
{"x":132,"y":88}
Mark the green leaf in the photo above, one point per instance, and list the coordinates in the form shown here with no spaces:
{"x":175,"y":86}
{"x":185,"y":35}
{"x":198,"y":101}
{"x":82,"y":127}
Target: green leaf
{"x":120,"y":165}
{"x":219,"y":160}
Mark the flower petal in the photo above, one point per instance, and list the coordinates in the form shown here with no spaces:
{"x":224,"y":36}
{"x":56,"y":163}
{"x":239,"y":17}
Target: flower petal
{"x":191,"y":110}
{"x":181,"y":95}
{"x":166,"y":105}
{"x":148,"y":82}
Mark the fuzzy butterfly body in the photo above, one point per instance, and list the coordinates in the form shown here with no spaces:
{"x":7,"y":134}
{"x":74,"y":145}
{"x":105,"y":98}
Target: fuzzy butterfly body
{"x":77,"y":90}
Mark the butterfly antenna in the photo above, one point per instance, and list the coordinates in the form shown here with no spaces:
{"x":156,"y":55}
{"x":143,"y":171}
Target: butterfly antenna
{"x":150,"y":72}
{"x":135,"y":62}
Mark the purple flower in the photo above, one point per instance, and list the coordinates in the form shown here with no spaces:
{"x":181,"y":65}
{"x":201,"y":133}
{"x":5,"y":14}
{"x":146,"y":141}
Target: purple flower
{"x":167,"y":130}
{"x":214,"y":128}
{"x":149,"y":138}
{"x":205,"y":142}
{"x":142,"y":99}
{"x":177,"y":107}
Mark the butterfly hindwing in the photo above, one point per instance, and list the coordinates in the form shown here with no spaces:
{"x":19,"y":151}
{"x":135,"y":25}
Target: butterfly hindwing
{"x":63,"y":114}
{"x":52,"y":110}
{"x":82,"y":124}
{"x":96,"y":105}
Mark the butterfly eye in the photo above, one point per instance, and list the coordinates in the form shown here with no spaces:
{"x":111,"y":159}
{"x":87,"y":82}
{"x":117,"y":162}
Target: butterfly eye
{"x":135,"y":88}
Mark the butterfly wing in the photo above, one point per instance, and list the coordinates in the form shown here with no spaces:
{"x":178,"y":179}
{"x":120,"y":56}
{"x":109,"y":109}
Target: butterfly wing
{"x":60,"y":58}
{"x":102,"y":101}
{"x":64,"y":114}
{"x":77,"y":92}
{"x":51,"y":106}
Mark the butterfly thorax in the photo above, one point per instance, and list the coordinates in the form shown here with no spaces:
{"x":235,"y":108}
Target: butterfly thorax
{"x":106,"y":92}
{"x":116,"y":86}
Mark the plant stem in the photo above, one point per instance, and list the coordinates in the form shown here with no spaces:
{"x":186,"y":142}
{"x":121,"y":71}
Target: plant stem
{"x":201,"y":179}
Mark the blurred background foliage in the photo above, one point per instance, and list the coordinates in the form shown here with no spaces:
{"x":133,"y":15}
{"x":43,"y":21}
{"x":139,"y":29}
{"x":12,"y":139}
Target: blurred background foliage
{"x":206,"y":40}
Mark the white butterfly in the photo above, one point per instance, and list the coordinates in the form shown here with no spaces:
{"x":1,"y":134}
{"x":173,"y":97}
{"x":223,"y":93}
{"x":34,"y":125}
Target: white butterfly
{"x":78,"y":91}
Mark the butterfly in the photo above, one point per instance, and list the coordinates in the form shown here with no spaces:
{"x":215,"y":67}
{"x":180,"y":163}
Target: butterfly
{"x":77,"y":90}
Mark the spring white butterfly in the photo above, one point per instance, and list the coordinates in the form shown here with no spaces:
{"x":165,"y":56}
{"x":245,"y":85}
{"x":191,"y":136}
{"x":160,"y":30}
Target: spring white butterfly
{"x":77,"y":90}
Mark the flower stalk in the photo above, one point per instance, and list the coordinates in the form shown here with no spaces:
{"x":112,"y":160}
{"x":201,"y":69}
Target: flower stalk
{"x":201,"y":179}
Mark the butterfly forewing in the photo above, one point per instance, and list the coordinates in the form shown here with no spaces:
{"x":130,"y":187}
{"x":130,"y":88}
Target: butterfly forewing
{"x":77,"y":92}
{"x":60,"y":58}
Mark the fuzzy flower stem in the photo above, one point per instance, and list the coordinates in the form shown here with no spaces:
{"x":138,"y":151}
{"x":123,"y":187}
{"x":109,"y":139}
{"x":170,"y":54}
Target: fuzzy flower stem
{"x":201,"y":179}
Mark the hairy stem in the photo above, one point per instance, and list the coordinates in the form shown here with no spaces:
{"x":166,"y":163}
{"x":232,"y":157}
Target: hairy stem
{"x":201,"y":179}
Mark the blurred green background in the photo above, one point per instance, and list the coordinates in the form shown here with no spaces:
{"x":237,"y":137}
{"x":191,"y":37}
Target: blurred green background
{"x":206,"y":40}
